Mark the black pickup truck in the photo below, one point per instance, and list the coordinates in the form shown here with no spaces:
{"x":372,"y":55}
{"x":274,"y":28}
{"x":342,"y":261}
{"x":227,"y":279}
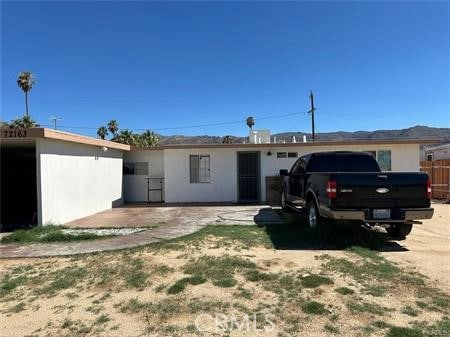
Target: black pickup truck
{"x":350,"y":186}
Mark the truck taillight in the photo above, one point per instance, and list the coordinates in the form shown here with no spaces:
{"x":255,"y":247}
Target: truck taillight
{"x":428,"y":188}
{"x":331,"y":189}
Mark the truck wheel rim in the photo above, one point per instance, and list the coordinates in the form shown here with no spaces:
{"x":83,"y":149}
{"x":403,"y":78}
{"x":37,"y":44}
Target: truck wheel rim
{"x":283,"y":200}
{"x":312,"y":217}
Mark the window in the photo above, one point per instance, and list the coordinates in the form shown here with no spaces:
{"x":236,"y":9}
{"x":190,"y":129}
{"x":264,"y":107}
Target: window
{"x":281,"y":155}
{"x":342,"y":162}
{"x":429,"y":157}
{"x":140,"y":169}
{"x":383,"y":158}
{"x":292,"y":154}
{"x":199,"y":169}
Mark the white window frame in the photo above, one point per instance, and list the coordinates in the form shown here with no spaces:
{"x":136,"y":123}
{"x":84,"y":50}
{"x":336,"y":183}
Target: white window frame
{"x":377,"y":157}
{"x":138,"y":168}
{"x":199,"y":168}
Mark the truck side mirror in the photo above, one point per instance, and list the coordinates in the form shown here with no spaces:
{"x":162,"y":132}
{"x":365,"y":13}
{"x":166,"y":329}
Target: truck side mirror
{"x":284,"y":173}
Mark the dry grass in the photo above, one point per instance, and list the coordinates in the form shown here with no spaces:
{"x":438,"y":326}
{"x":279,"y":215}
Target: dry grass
{"x":236,"y":275}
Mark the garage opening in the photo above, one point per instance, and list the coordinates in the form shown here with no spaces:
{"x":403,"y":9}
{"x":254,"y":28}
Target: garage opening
{"x":18,"y":197}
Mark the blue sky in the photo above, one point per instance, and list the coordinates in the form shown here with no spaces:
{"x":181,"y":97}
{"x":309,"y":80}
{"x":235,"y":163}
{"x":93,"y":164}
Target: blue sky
{"x":372,"y":65}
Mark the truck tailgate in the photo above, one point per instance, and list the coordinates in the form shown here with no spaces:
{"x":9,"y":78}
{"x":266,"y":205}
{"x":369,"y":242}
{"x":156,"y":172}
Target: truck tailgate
{"x":381,"y":190}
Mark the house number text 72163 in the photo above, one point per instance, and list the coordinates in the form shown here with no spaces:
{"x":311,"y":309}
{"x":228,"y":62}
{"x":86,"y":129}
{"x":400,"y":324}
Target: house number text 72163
{"x":14,"y":133}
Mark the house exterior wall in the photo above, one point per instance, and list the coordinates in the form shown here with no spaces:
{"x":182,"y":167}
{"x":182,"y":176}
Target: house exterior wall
{"x":76,"y":180}
{"x":223,"y":186}
{"x":439,"y":154}
{"x":135,"y":186}
{"x":223,"y":181}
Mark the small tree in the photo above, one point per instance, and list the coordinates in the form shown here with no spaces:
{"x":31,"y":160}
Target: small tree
{"x":102,"y":132}
{"x":26,"y":81}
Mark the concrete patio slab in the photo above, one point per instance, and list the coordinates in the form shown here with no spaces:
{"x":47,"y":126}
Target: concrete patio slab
{"x":142,"y":215}
{"x":171,"y":221}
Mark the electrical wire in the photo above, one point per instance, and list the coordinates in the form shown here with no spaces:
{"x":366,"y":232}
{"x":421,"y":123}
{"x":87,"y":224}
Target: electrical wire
{"x":184,"y":127}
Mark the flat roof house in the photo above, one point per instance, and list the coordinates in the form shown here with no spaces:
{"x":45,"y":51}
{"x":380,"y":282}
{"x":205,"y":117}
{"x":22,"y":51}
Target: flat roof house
{"x":50,"y":176}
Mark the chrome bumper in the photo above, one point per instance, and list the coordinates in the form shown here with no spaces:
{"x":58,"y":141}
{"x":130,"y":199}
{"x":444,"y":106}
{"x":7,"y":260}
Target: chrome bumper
{"x":410,"y":214}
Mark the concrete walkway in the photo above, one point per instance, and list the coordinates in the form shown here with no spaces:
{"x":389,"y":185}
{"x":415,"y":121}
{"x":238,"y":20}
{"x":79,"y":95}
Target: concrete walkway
{"x":173,"y":221}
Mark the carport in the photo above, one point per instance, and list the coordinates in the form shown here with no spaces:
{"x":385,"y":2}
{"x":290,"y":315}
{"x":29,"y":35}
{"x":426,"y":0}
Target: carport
{"x":18,"y":196}
{"x":53,"y":177}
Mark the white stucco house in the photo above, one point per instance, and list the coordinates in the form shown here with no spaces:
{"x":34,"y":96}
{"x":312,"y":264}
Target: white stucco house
{"x":439,"y":152}
{"x":50,"y":176}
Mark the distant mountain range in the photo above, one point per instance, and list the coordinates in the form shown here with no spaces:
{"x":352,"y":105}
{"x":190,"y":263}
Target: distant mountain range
{"x":416,"y":132}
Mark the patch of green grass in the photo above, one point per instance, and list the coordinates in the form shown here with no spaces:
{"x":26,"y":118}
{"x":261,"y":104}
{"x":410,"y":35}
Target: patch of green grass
{"x":314,"y":308}
{"x":67,"y":323}
{"x":344,"y":291}
{"x":9,"y":283}
{"x":375,"y":290}
{"x":379,"y":269}
{"x":219,"y":270}
{"x":368,"y":330}
{"x":404,"y":332}
{"x":381,"y":324}
{"x":410,"y":311}
{"x":254,"y":275}
{"x":64,"y":278}
{"x":133,"y":305}
{"x":421,"y":305}
{"x":245,"y":236}
{"x":102,"y":319}
{"x":331,"y":328}
{"x":197,"y":305}
{"x":45,"y":234}
{"x":371,"y":308}
{"x":181,"y":284}
{"x":244,"y":293}
{"x":136,"y":276}
{"x":440,"y":328}
{"x":314,"y":281}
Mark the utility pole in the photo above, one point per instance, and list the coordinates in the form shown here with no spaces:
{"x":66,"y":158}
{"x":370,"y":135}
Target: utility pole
{"x":311,"y":97}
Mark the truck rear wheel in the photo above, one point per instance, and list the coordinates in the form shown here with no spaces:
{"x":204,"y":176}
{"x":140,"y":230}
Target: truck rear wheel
{"x":399,"y":230}
{"x":313,"y":216}
{"x":284,"y":204}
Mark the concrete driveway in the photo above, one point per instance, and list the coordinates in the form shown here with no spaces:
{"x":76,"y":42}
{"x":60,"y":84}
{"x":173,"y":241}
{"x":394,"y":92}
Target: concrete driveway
{"x":143,"y":215}
{"x":164,"y":222}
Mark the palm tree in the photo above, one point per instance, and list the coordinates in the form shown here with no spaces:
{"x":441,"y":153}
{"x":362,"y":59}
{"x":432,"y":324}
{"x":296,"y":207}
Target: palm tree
{"x":24,"y":122}
{"x":250,"y":122}
{"x":102,"y":132}
{"x":126,"y":137}
{"x":113,"y":127}
{"x":148,"y":139}
{"x":25,"y":81}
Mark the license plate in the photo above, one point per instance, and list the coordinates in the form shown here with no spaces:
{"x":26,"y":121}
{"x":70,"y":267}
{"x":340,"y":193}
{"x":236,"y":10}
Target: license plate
{"x":381,"y":213}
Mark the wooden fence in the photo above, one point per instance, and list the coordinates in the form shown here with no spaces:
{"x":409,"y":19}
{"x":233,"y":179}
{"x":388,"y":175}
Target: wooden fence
{"x":439,"y":172}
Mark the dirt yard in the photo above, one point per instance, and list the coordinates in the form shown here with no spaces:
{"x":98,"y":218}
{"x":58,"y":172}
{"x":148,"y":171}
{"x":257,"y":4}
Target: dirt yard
{"x":427,"y":248}
{"x":271,"y":280}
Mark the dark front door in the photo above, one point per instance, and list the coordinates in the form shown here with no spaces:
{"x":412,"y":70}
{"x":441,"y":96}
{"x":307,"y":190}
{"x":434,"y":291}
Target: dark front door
{"x":248,"y":176}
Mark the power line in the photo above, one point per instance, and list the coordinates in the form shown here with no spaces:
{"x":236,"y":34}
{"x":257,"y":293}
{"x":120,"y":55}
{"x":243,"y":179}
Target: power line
{"x":187,"y":126}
